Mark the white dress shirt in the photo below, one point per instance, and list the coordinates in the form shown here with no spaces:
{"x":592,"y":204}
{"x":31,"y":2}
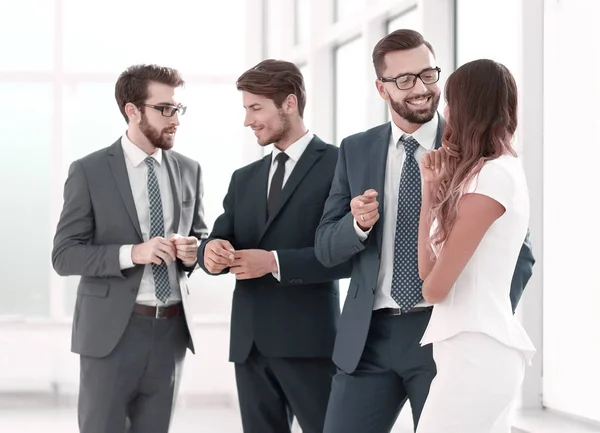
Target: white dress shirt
{"x":294,"y":152}
{"x":425,"y":136}
{"x":137,"y":172}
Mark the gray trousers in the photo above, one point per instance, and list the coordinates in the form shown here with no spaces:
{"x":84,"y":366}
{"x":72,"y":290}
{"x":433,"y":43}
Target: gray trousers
{"x":393,"y":368}
{"x":134,"y":388}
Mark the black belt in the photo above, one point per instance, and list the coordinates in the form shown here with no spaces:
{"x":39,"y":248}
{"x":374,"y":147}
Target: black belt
{"x":159,"y":312}
{"x":398,"y":312}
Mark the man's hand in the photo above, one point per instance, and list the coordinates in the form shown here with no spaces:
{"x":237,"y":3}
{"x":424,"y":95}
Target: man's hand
{"x":365,"y":209}
{"x":218,"y":254}
{"x":248,"y":264}
{"x":186,"y":249}
{"x":157,"y":250}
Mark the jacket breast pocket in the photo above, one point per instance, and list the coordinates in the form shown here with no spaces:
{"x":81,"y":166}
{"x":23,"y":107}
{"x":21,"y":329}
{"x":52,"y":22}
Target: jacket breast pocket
{"x":188,"y":203}
{"x":98,"y":289}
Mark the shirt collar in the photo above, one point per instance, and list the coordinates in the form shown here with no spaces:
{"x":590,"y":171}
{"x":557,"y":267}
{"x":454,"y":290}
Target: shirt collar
{"x":296,"y":149}
{"x":135,"y":154}
{"x":425,"y":135}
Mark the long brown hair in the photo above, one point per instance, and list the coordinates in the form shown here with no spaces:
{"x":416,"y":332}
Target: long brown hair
{"x":482,"y":119}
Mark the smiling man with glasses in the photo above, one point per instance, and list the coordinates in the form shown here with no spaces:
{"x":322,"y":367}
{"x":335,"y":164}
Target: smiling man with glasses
{"x":130,"y":226}
{"x":372,"y":217}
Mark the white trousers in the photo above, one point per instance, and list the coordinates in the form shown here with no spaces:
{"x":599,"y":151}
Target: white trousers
{"x":477,"y":380}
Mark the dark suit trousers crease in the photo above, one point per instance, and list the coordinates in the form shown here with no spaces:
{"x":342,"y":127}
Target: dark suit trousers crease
{"x":137,"y":382}
{"x":272,"y":391}
{"x":393,"y":368}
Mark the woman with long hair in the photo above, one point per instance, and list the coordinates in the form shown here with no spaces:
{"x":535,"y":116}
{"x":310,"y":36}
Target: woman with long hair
{"x":474,"y":217}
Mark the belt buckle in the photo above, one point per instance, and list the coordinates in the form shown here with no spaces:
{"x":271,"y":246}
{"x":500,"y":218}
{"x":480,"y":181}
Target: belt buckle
{"x":157,"y":314}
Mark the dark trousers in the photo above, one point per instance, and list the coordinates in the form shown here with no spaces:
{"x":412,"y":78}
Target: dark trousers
{"x":272,"y":391}
{"x":393,"y":368}
{"x":136,"y":385}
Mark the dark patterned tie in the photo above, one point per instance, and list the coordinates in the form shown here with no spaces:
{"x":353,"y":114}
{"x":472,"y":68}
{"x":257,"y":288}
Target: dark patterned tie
{"x":157,"y":228}
{"x":276,"y":183}
{"x":406,"y":284}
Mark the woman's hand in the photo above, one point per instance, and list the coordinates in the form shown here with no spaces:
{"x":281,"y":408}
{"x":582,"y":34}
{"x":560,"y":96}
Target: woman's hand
{"x":433,"y":167}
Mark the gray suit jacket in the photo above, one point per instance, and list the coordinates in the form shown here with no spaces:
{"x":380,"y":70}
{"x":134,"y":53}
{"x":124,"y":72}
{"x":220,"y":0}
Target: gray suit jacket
{"x":98,"y":217}
{"x":361,"y":165}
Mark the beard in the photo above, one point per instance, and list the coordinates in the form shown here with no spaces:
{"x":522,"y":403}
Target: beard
{"x":280,"y":133}
{"x":414,"y":114}
{"x":159,"y":139}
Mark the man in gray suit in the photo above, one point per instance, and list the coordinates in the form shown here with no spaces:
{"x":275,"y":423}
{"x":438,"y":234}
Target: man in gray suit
{"x":130,"y":227}
{"x":371,"y":217}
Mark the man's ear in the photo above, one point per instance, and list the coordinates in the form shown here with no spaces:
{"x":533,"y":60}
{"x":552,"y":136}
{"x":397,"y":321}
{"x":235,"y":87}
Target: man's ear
{"x":131,"y":111}
{"x":291,"y":103}
{"x":381,"y":90}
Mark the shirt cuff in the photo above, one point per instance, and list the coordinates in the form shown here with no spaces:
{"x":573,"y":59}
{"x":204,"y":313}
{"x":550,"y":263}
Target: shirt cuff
{"x":359,"y":232}
{"x":276,"y":274}
{"x":125,"y":261}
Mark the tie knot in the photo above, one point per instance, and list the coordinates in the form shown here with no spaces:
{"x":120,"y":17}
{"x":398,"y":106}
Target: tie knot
{"x":281,"y":158}
{"x":410,"y":144}
{"x":149,"y":162}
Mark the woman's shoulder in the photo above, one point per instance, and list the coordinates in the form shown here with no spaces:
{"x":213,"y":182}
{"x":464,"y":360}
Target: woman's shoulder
{"x":502,"y":173}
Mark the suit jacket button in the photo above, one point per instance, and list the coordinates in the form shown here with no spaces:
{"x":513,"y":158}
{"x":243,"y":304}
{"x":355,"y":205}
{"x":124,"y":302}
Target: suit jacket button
{"x":132,"y":290}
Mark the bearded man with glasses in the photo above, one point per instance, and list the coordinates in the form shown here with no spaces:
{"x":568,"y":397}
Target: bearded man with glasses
{"x":130,"y":226}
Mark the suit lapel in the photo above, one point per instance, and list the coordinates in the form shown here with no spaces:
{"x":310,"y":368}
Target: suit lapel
{"x":302,"y":167}
{"x":379,"y":152}
{"x":175,"y":176}
{"x":258,"y":189}
{"x":440,"y":131}
{"x":116,"y":161}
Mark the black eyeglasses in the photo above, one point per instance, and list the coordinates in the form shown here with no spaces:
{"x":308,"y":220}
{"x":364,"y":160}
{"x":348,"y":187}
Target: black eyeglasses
{"x":408,"y":81}
{"x":168,"y":110}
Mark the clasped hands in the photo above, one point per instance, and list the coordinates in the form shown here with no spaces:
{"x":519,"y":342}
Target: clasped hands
{"x":160,"y":250}
{"x":244,"y":264}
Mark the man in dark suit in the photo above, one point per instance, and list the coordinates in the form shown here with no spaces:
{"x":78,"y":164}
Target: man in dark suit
{"x":371,"y":217}
{"x":130,"y":227}
{"x":285,"y":303}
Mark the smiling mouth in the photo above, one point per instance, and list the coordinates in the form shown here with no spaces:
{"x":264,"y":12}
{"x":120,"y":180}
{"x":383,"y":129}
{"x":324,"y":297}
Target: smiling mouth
{"x":420,"y":101}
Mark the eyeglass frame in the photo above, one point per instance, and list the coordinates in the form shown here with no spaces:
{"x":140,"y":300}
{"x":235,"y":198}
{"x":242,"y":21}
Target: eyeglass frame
{"x":415,"y":76}
{"x":180,"y":108}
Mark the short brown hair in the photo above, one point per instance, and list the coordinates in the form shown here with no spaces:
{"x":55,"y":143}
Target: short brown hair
{"x":276,"y":80}
{"x":403,"y":39}
{"x":132,"y":85}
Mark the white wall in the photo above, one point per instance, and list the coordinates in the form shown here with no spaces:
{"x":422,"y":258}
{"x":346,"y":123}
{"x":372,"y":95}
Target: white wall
{"x":571,"y":155}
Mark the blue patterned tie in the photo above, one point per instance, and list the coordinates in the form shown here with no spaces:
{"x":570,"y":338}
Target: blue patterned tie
{"x":157,"y":228}
{"x":406,"y":284}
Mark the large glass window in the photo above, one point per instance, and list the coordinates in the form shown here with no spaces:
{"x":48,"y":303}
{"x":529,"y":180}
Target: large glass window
{"x":407,"y":20}
{"x":70,"y":111}
{"x":194,"y":42}
{"x":27,"y":29}
{"x":26,"y":131}
{"x":350,"y":89}
{"x":347,"y":8}
{"x":302,"y":24}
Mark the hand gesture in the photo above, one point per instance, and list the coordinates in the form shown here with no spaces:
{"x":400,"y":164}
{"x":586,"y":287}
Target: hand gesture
{"x":186,"y":249}
{"x":157,"y":250}
{"x":433,"y":167}
{"x":365,"y":209}
{"x":218,"y":255}
{"x":249,"y":264}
